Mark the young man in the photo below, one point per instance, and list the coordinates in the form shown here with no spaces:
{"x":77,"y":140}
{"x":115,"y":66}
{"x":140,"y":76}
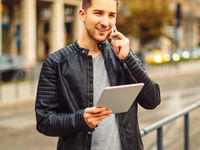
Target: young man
{"x":73,"y":78}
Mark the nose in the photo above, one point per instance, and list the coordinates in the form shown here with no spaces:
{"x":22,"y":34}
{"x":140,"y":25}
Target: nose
{"x":105,"y":21}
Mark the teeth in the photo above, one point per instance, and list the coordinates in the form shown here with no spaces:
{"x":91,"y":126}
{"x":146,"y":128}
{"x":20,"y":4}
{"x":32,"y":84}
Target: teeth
{"x":102,"y":30}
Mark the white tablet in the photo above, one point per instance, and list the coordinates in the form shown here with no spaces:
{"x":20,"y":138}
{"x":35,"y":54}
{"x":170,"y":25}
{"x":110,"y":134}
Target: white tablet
{"x":120,"y":98}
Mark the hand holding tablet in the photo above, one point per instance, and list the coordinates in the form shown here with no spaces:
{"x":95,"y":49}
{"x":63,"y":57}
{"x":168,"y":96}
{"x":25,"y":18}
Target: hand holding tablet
{"x":119,"y":98}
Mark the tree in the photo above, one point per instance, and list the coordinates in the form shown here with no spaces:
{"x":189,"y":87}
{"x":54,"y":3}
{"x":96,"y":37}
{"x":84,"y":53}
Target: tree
{"x":144,"y":19}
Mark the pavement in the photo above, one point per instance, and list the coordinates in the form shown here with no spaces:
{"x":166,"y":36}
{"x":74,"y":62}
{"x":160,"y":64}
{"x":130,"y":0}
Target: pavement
{"x":18,"y":129}
{"x":13,"y":93}
{"x":167,"y":70}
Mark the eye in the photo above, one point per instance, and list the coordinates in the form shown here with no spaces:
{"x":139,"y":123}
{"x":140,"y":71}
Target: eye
{"x":98,"y":13}
{"x":112,"y":15}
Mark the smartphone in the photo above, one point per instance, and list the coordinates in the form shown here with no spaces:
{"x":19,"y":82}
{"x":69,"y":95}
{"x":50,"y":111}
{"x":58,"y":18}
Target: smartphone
{"x":110,"y":32}
{"x":114,"y":37}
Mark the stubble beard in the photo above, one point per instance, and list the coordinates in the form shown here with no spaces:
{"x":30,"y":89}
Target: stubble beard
{"x":92,"y":35}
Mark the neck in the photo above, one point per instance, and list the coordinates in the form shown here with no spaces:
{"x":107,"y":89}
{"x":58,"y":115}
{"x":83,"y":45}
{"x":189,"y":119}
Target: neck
{"x":88,"y":43}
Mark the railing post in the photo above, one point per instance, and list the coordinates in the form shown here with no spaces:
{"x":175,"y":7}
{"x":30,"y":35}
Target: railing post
{"x":186,"y":132}
{"x":159,"y":125}
{"x":159,"y":139}
{"x":0,"y":85}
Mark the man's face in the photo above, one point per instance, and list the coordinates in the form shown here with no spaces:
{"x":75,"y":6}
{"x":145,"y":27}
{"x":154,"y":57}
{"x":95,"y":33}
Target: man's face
{"x":100,"y":18}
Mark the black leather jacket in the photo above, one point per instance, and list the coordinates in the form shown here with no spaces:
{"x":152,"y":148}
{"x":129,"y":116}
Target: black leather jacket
{"x":65,"y":89}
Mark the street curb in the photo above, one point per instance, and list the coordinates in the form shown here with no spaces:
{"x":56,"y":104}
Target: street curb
{"x":183,"y":69}
{"x":174,"y":74}
{"x":6,"y":104}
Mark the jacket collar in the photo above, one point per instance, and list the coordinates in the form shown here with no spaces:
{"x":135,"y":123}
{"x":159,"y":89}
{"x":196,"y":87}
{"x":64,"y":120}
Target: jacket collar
{"x":101,"y":46}
{"x":80,"y":49}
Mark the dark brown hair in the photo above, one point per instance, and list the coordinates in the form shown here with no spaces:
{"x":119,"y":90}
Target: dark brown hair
{"x":88,"y":3}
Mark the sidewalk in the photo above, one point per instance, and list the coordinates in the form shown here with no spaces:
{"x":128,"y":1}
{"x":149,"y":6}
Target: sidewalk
{"x":163,"y":71}
{"x":17,"y":92}
{"x":20,"y":91}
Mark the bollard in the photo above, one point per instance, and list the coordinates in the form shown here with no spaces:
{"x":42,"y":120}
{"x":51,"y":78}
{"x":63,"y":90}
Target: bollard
{"x":32,"y":77}
{"x":17,"y":85}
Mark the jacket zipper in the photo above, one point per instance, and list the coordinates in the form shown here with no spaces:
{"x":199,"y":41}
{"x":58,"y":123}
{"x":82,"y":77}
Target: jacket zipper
{"x":86,"y":142}
{"x":129,"y":72}
{"x":88,"y":98}
{"x":122,"y":134}
{"x":88,"y":133}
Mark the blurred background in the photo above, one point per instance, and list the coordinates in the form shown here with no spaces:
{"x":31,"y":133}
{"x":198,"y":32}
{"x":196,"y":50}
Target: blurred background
{"x":165,"y":34}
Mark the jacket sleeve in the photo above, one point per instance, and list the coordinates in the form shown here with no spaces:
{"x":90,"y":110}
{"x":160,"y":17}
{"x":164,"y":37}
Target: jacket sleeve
{"x":149,"y":96}
{"x":49,"y":121}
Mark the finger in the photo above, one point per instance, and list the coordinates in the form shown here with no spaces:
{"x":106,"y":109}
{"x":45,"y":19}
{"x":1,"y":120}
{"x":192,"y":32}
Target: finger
{"x":93,"y":115}
{"x":106,"y":112}
{"x":117,"y":48}
{"x":96,"y":120}
{"x":99,"y":117}
{"x":109,"y":37}
{"x":118,"y":42}
{"x":117,"y":35}
{"x":99,"y":106}
{"x":92,"y":122}
{"x":115,"y":29}
{"x":94,"y":109}
{"x":112,"y":42}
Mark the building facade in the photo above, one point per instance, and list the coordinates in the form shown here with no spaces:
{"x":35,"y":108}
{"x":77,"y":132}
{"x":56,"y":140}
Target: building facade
{"x":185,"y":33}
{"x":36,"y":28}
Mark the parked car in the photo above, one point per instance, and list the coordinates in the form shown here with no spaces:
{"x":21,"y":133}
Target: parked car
{"x":10,"y":66}
{"x":156,"y":56}
{"x":196,"y":53}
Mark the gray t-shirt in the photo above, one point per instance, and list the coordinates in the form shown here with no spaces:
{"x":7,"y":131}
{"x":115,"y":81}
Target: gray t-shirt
{"x":106,"y":135}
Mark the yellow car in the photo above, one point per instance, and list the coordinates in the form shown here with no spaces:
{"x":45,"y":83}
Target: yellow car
{"x":157,"y":57}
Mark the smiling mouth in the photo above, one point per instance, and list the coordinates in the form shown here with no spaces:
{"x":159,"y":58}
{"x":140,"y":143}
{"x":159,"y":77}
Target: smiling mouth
{"x":102,"y":30}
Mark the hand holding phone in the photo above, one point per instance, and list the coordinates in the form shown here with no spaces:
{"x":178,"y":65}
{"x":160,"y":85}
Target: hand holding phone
{"x":119,"y":43}
{"x":114,"y":38}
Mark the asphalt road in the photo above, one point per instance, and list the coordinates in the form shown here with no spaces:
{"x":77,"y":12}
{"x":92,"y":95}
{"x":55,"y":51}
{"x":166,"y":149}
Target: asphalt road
{"x":17,"y":129}
{"x":17,"y":121}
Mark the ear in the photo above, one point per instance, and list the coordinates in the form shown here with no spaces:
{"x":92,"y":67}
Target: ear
{"x":82,"y":15}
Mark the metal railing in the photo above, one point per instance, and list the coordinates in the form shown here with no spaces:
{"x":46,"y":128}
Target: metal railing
{"x":159,"y":126}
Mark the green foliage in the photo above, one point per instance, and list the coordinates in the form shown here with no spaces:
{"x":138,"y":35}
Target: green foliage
{"x":144,"y":19}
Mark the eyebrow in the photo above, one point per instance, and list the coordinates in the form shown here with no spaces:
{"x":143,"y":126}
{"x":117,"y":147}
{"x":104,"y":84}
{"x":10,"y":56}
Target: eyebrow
{"x":98,"y":10}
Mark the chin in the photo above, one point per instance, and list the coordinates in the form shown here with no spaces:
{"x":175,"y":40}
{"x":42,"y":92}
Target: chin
{"x":101,"y":39}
